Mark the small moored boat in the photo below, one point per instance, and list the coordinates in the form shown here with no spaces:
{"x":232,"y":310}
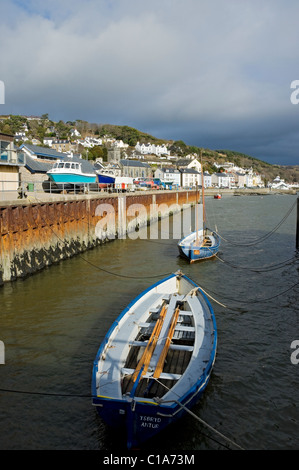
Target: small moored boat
{"x":156,"y":359}
{"x":199,"y":245}
{"x":217,"y":196}
{"x":203,"y":243}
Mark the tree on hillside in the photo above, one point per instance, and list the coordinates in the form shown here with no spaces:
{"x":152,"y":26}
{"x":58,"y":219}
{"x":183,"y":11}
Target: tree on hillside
{"x":82,"y":126}
{"x":13,"y":124}
{"x":97,"y":152}
{"x":179,"y":148}
{"x":62,"y":130}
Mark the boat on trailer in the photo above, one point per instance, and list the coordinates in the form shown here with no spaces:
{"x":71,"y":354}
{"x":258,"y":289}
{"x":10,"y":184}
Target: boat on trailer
{"x":106,"y":177}
{"x":156,"y":359}
{"x":69,"y":173}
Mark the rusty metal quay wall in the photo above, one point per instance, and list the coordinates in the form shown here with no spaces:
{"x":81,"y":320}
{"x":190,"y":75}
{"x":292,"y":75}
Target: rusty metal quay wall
{"x":37,"y":233}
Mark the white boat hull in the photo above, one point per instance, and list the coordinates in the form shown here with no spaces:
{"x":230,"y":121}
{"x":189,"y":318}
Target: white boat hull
{"x":144,"y":400}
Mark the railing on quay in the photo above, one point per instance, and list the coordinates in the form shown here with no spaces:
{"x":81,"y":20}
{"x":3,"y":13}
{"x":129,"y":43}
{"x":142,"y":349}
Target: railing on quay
{"x":12,"y":189}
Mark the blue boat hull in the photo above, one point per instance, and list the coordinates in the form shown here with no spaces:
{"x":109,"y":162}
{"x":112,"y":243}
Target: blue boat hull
{"x":196,"y":253}
{"x":145,"y":420}
{"x":105,"y":179}
{"x":141,"y":420}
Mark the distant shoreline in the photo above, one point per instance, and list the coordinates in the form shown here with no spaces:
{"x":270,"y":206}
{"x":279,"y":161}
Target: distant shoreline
{"x":248,"y":191}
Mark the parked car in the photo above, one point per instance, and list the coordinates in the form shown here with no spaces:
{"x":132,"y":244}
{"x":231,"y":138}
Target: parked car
{"x":138,"y":180}
{"x":159,"y":183}
{"x":150,"y":183}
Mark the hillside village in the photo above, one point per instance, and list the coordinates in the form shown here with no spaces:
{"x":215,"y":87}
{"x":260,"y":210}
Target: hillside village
{"x":128,"y":152}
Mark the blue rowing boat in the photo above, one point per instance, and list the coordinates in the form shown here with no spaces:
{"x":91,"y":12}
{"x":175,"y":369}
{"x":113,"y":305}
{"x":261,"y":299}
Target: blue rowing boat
{"x":156,"y":360}
{"x":203,"y":243}
{"x":199,"y":245}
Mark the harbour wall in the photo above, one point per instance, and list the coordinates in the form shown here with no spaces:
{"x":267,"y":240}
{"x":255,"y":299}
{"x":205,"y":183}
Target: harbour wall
{"x":37,"y":233}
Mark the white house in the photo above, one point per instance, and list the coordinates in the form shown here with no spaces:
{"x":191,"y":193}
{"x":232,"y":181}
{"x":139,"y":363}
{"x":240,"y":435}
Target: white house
{"x":169,"y":175}
{"x":207,"y":179}
{"x":75,"y":133}
{"x":221,"y":180}
{"x":227,"y":166}
{"x":190,"y":178}
{"x":187,"y":163}
{"x":90,"y":142}
{"x":49,"y":141}
{"x":257,"y":180}
{"x":160,"y":150}
{"x":120,"y":144}
{"x":240,"y":179}
{"x":152,"y":148}
{"x":278,"y":183}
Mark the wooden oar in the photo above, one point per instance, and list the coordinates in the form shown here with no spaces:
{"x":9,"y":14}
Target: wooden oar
{"x":150,"y":347}
{"x":160,"y":363}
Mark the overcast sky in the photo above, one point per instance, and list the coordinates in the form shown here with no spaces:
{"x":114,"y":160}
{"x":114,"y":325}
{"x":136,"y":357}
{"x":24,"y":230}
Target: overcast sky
{"x":213,"y":73}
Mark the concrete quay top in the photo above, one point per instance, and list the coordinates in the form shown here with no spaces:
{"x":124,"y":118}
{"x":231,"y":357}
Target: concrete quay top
{"x":35,"y":197}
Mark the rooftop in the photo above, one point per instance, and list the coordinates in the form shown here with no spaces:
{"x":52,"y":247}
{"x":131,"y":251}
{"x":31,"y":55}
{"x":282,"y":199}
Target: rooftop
{"x":43,"y":152}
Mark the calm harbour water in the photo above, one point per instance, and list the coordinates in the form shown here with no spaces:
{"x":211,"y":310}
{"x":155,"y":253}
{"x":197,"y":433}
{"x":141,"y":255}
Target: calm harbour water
{"x":52,"y":324}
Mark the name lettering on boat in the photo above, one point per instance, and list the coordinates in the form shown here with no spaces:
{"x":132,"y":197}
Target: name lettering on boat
{"x":150,"y":421}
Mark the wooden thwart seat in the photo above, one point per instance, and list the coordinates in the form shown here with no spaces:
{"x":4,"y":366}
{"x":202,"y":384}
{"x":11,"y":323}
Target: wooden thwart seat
{"x":163,"y":355}
{"x":150,"y":347}
{"x":207,"y":242}
{"x":178,"y":347}
{"x":159,"y":343}
{"x":148,"y":375}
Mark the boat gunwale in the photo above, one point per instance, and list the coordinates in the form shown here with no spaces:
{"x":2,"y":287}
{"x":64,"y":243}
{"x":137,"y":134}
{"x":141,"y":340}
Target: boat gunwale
{"x":98,"y":398}
{"x":191,"y":235}
{"x":115,"y":325}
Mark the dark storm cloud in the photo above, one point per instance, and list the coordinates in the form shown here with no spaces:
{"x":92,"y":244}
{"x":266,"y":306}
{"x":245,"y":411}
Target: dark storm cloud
{"x":214,"y":74}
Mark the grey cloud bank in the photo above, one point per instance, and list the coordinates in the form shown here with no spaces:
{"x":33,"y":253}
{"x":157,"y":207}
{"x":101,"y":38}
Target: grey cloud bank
{"x":214,"y":74}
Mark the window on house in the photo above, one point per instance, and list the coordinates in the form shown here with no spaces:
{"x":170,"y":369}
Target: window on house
{"x":4,"y":149}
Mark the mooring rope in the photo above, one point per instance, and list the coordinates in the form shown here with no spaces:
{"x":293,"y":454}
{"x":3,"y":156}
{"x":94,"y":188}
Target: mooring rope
{"x":209,"y":295}
{"x":264,"y":237}
{"x":194,"y":415}
{"x":260,"y":269}
{"x":261,"y":300}
{"x":169,"y":273}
